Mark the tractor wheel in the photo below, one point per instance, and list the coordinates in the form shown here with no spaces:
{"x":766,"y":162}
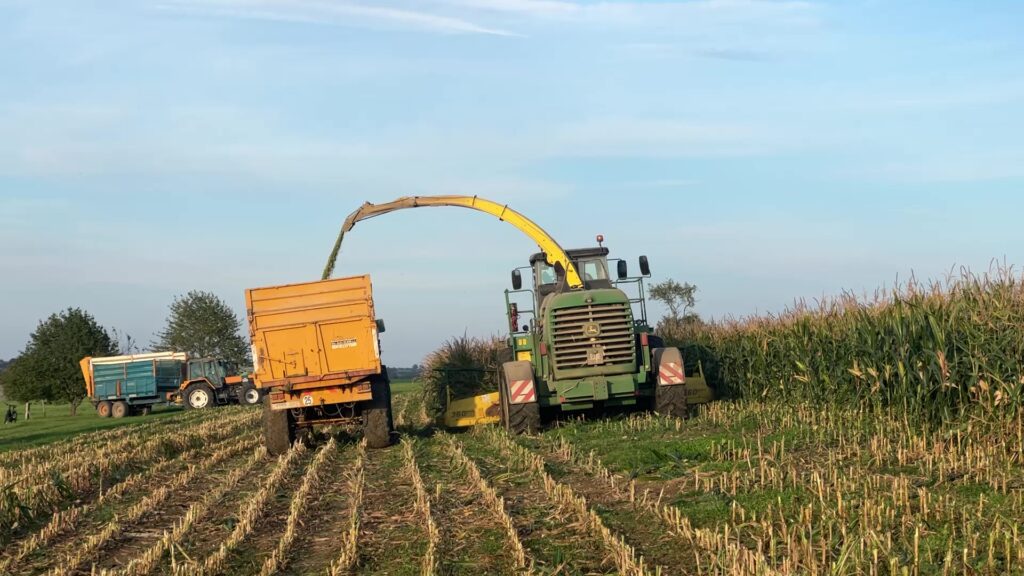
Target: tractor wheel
{"x":377,"y":416}
{"x":103,"y":409}
{"x":198,"y":396}
{"x":248,"y":395}
{"x":278,"y":429}
{"x":518,"y":418}
{"x":119,"y":409}
{"x":671,"y":401}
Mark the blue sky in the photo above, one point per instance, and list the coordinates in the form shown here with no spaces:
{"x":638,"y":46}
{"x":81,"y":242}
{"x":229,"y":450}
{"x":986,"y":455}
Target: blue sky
{"x":764,"y":151}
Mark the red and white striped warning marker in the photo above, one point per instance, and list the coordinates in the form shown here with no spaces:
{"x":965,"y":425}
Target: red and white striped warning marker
{"x":522,"y":391}
{"x":671,"y":373}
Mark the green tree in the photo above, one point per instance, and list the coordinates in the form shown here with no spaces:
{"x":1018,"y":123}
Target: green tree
{"x":679,"y":298}
{"x":48,"y":367}
{"x":203,"y":325}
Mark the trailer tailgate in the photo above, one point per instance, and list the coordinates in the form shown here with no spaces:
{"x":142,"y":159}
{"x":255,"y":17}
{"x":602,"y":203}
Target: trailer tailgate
{"x":315,"y":333}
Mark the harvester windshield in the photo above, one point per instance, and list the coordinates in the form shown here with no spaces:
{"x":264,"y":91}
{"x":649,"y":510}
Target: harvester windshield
{"x":593,"y":269}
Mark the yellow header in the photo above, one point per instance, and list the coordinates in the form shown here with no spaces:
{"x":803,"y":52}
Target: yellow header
{"x":548,"y":245}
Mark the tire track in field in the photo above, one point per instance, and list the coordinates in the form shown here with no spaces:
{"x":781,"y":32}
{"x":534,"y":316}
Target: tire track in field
{"x":392,"y":540}
{"x":639,"y":526}
{"x":89,"y":549}
{"x":107,"y":466}
{"x":624,"y":555}
{"x":136,"y":541}
{"x":69,"y":526}
{"x":249,"y":557}
{"x":557,"y":542}
{"x":472,"y":541}
{"x":217,"y":525}
{"x":327,"y":518}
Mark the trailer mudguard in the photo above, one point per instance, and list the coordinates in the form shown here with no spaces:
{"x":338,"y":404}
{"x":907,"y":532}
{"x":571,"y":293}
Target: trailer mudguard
{"x":519,"y":379}
{"x":669,"y":364}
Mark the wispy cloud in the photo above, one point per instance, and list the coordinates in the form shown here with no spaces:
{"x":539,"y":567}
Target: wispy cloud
{"x":562,"y":8}
{"x":331,"y":13}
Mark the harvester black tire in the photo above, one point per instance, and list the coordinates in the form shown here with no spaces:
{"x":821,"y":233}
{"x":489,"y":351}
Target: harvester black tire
{"x":523,"y":418}
{"x":198,"y":397}
{"x":518,"y":418}
{"x":103,"y":409}
{"x":278,"y":430}
{"x":119,"y":409}
{"x":248,"y":395}
{"x":377,"y":417}
{"x":671,"y":401}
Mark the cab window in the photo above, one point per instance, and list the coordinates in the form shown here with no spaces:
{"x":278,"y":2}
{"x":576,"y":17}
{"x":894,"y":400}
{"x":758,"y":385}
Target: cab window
{"x":596,"y":269}
{"x":544,"y":273}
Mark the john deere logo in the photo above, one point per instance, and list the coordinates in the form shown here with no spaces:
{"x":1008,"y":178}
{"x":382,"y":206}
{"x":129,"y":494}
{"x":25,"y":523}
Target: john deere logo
{"x":592,"y":330}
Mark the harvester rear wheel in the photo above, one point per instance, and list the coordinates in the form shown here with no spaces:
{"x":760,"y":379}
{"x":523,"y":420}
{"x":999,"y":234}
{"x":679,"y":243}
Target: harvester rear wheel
{"x":671,"y":401}
{"x":103,"y":409}
{"x":119,"y":409}
{"x":278,"y":429}
{"x":377,"y":416}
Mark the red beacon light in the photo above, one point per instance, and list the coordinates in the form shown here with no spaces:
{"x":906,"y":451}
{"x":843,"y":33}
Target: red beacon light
{"x":600,"y":239}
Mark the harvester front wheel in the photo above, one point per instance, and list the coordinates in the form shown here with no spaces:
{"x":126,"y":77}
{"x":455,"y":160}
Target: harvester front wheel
{"x":103,"y":409}
{"x":519,"y":418}
{"x":523,"y":417}
{"x":377,"y":416}
{"x":671,"y":401}
{"x":278,"y":430}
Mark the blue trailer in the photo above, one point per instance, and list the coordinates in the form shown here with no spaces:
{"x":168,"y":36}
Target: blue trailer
{"x":120,"y":386}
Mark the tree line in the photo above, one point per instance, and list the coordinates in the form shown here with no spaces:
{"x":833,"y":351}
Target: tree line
{"x":200,"y":324}
{"x":47,"y":369}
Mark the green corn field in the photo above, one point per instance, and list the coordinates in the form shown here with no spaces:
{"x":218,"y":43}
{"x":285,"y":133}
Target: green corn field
{"x":929,"y":350}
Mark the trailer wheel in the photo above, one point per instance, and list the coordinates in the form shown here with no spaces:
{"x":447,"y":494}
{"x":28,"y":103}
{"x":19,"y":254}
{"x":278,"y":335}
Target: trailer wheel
{"x":119,"y":409}
{"x":198,"y":396}
{"x":278,"y":429}
{"x":377,"y":416}
{"x":103,"y":409}
{"x":248,"y":395}
{"x":671,"y":401}
{"x":146,"y":410}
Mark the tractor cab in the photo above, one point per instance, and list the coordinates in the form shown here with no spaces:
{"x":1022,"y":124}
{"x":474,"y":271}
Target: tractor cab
{"x":213,"y":370}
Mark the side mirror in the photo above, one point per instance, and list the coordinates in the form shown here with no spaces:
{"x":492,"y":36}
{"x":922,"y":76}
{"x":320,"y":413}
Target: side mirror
{"x":623,"y":270}
{"x":517,"y":280}
{"x":526,"y":327}
{"x":645,"y":266}
{"x":380,"y":327}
